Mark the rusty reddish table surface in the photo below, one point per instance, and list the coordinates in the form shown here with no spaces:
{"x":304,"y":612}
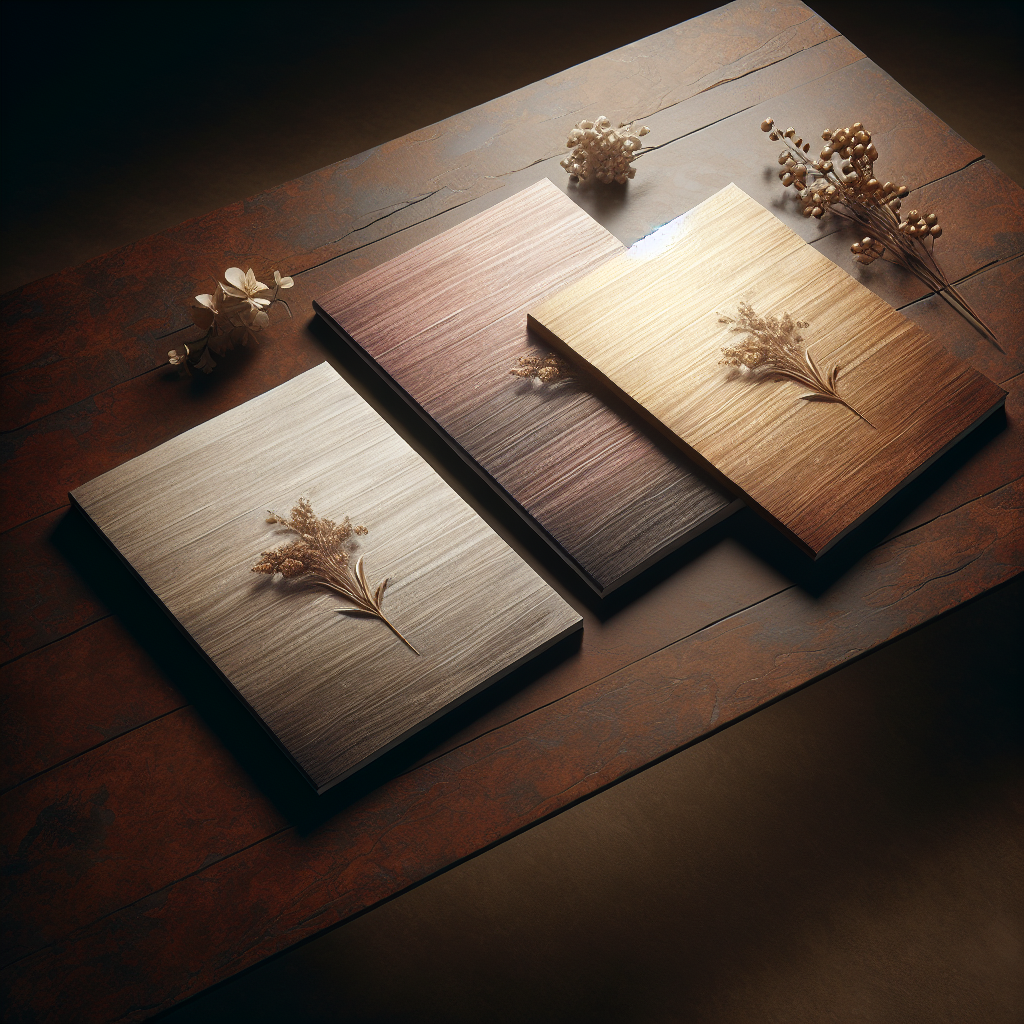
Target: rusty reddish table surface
{"x":156,"y":842}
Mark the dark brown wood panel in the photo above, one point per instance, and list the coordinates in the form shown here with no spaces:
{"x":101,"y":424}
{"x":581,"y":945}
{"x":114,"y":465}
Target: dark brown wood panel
{"x":444,"y":325}
{"x":293,"y":885}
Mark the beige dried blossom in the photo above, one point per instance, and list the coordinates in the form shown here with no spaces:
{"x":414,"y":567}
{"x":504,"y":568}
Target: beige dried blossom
{"x":604,"y":152}
{"x":841,"y":179}
{"x":322,"y":554}
{"x":552,"y":370}
{"x":774,"y":348}
{"x":231,"y":315}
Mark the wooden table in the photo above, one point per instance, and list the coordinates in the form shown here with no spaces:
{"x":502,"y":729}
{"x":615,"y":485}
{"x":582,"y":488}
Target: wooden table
{"x":155,"y":841}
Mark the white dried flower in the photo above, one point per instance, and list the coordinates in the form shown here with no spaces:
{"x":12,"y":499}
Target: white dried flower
{"x":604,"y":152}
{"x":233,"y":314}
{"x":244,"y":286}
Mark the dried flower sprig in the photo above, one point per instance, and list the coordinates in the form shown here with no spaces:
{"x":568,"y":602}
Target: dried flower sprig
{"x":604,"y":152}
{"x":551,"y":370}
{"x":773,"y":347}
{"x":841,"y":180}
{"x":322,"y":555}
{"x":232,"y":315}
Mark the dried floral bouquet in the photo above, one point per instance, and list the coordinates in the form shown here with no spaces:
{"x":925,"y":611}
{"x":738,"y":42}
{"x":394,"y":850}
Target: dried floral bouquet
{"x":774,"y":348}
{"x":841,"y":180}
{"x":322,"y":555}
{"x":232,"y":315}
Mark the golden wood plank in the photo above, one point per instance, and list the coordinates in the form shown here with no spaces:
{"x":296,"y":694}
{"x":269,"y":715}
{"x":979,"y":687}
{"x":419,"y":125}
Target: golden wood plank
{"x":653,"y":323}
{"x":334,"y":690}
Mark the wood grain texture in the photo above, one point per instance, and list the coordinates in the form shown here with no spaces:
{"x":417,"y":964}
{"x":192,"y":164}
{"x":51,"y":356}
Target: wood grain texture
{"x":335,"y":690}
{"x":59,"y":451}
{"x":654,"y":321}
{"x":65,"y":693}
{"x":445,"y":322}
{"x":105,"y":939}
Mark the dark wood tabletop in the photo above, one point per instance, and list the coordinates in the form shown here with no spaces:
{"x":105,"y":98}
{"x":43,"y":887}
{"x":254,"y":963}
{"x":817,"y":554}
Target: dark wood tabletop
{"x":155,"y":840}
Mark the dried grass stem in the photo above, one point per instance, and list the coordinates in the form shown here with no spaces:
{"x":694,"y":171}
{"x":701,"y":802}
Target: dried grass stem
{"x":852,"y":192}
{"x":322,"y":555}
{"x":773,"y":347}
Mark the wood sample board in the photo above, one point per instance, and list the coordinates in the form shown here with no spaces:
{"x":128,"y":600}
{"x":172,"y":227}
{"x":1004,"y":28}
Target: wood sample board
{"x":814,"y":468}
{"x":445,"y":322}
{"x":336,"y":691}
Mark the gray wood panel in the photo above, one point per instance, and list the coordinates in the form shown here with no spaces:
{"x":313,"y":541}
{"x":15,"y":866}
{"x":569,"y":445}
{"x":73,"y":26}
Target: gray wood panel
{"x":335,"y":690}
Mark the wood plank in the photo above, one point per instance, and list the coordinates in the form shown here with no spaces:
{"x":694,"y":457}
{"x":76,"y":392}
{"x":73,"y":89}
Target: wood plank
{"x":296,"y":884}
{"x":961,"y":250}
{"x":999,"y":292}
{"x":445,"y":326}
{"x":915,"y":148}
{"x":142,"y":807}
{"x":657,"y":322}
{"x":461,"y":609}
{"x":44,"y":599}
{"x":139,"y":294}
{"x":54,"y":380}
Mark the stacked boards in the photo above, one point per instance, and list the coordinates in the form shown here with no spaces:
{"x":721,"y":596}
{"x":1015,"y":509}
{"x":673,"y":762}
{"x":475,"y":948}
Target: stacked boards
{"x":543,"y":352}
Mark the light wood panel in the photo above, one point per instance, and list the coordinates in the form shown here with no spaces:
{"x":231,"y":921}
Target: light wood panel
{"x":653,"y":323}
{"x":445,"y":322}
{"x":335,"y":690}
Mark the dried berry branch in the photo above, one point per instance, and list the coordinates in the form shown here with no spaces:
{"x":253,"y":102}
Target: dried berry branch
{"x":552,"y":370}
{"x":322,"y":554}
{"x":232,"y":315}
{"x":604,"y":152}
{"x":774,"y":348}
{"x":851,"y":191}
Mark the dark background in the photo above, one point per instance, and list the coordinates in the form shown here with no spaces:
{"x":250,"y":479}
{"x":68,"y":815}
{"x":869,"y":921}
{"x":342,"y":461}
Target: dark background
{"x":853,"y":853}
